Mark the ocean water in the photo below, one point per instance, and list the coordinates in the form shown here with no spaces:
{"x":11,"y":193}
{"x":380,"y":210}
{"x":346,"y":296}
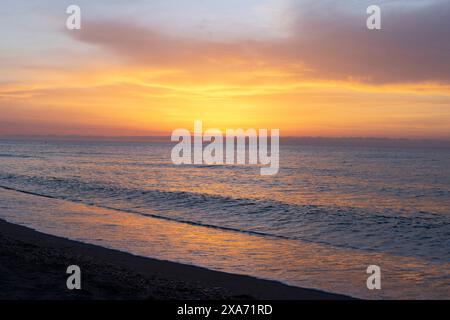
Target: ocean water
{"x":329,"y":213}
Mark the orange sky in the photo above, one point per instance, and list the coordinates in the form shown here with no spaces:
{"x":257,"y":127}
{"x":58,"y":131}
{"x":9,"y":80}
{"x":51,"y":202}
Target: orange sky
{"x":116,"y":77}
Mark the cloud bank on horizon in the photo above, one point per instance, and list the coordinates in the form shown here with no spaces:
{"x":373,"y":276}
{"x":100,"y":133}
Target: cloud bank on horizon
{"x":156,"y":65}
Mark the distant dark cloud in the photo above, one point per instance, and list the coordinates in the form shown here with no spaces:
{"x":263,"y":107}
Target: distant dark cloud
{"x":413,"y":45}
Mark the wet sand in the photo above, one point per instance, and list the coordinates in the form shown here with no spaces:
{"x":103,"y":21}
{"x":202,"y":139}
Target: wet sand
{"x":33,"y":266}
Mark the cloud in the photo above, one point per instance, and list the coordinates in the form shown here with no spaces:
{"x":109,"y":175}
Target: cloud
{"x":412,"y":46}
{"x":144,"y":45}
{"x":327,"y":42}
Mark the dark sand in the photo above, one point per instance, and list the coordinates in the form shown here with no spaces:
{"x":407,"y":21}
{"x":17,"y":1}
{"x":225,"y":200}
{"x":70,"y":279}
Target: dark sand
{"x":33,"y":266}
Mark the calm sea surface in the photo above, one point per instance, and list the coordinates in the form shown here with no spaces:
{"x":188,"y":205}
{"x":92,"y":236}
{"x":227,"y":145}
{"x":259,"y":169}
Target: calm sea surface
{"x":327,"y":215}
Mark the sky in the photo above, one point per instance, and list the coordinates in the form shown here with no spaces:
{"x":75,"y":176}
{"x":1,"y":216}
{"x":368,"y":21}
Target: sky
{"x":306,"y":67}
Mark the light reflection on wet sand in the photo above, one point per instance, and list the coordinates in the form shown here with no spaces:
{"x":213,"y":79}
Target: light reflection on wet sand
{"x":295,"y":262}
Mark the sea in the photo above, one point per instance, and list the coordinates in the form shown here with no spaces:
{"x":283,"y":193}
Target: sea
{"x":332,"y":211}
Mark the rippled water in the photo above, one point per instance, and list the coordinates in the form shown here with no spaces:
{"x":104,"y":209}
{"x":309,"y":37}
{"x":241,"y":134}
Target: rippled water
{"x":351,"y":202}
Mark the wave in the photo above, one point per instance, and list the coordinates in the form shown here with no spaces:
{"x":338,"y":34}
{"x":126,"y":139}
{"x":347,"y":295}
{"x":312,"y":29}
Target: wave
{"x":348,"y":227}
{"x":150,"y":215}
{"x":23,"y":156}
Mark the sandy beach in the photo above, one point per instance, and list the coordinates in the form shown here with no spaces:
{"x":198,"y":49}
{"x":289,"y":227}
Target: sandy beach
{"x":33,"y":266}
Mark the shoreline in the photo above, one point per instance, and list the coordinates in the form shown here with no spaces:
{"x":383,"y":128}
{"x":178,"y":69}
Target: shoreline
{"x":33,"y":267}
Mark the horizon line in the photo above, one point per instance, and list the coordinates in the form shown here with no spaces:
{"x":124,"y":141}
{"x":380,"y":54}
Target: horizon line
{"x":313,"y":140}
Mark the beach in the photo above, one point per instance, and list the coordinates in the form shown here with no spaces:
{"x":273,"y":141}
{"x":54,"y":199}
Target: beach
{"x":33,"y":266}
